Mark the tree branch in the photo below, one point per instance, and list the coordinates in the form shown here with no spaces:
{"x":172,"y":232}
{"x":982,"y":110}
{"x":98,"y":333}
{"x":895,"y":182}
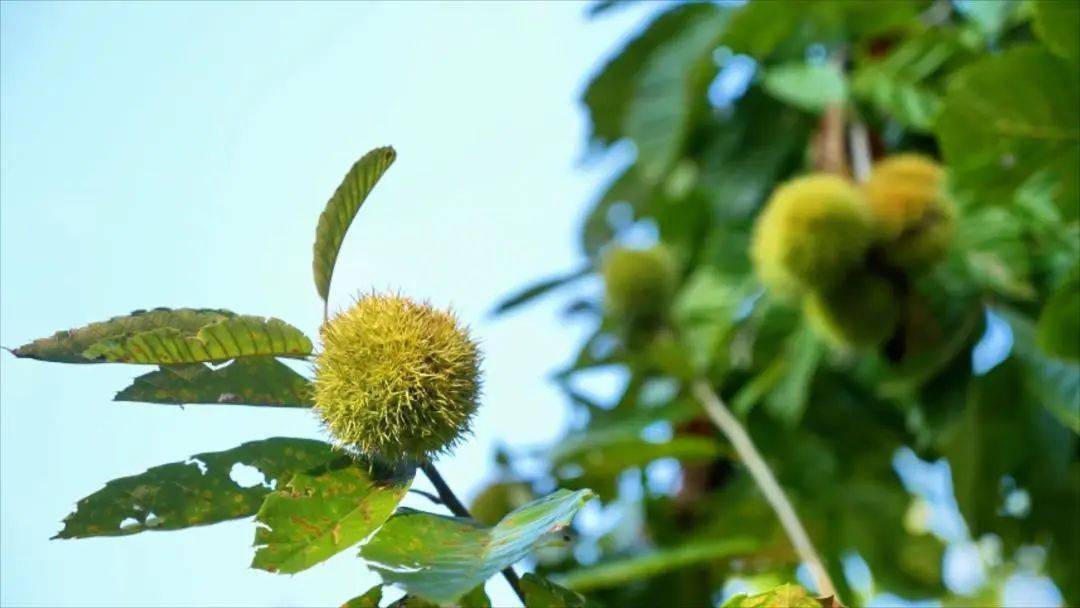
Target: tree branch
{"x":763,"y":477}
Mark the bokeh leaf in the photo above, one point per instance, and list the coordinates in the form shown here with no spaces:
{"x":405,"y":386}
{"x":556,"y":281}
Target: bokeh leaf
{"x":1009,"y":117}
{"x":538,"y":289}
{"x":811,"y":87}
{"x":626,"y":570}
{"x":671,"y":91}
{"x":542,"y":593}
{"x":784,"y":596}
{"x":1059,"y":323}
{"x":609,"y":93}
{"x":228,"y":338}
{"x":245,"y":381}
{"x":193,"y":492}
{"x":442,"y":558}
{"x":320,"y":513}
{"x":341,"y":209}
{"x":68,"y":346}
{"x":1058,"y":25}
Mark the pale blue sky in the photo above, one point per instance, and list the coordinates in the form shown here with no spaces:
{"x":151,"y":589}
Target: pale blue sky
{"x":179,"y":155}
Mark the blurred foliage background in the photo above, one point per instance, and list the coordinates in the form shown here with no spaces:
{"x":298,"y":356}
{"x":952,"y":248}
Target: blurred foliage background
{"x":942,"y":465}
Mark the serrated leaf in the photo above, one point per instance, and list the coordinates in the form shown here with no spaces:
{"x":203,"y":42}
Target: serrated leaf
{"x":609,"y":93}
{"x":68,"y":346}
{"x":1058,"y":25}
{"x":811,"y":87}
{"x":245,"y":381}
{"x":542,"y":593}
{"x":193,"y":492}
{"x":621,"y":571}
{"x":442,"y":558}
{"x":538,"y":289}
{"x":671,"y":91}
{"x":321,"y":513}
{"x":1009,"y":117}
{"x":228,"y":338}
{"x":341,"y":209}
{"x":370,"y":599}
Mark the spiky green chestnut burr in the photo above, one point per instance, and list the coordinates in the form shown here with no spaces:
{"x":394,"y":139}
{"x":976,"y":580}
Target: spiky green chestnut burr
{"x":862,"y":312}
{"x":639,"y":283}
{"x":812,"y":232}
{"x":915,"y":218}
{"x":396,"y":379}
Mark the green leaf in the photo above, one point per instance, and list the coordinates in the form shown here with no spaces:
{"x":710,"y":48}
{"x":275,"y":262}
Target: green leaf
{"x":228,"y":338}
{"x":245,"y":381}
{"x":370,"y":599}
{"x":705,"y":312}
{"x":902,"y":84}
{"x":1010,"y":117}
{"x":442,"y":558}
{"x":476,"y":598}
{"x":784,"y":596}
{"x":538,"y":289}
{"x":68,"y":346}
{"x":598,"y":231}
{"x":193,"y":492}
{"x":801,"y":357}
{"x":671,"y":92}
{"x":321,"y":513}
{"x":609,"y":93}
{"x":542,"y":593}
{"x":605,"y":454}
{"x":1059,"y":323}
{"x":632,"y":569}
{"x":341,"y":209}
{"x":1058,"y":25}
{"x":1053,"y":383}
{"x":812,"y":87}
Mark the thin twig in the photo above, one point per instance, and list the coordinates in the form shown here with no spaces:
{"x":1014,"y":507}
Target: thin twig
{"x":457,"y":508}
{"x":774,"y":494}
{"x":428,"y":495}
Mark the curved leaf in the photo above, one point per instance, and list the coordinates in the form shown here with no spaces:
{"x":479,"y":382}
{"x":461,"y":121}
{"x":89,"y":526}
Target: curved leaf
{"x":341,"y":209}
{"x":194,"y":492}
{"x":442,"y":558}
{"x":811,"y":87}
{"x":538,"y":289}
{"x":245,"y":381}
{"x":542,"y":593}
{"x":618,"y":572}
{"x":784,"y":596}
{"x":68,"y":346}
{"x":1009,"y":118}
{"x":238,"y":336}
{"x":1058,"y":25}
{"x":324,"y":512}
{"x":370,"y":599}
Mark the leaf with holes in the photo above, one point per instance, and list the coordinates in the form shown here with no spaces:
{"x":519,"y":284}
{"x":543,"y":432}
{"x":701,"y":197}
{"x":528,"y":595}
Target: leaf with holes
{"x":194,"y":492}
{"x":237,"y":336}
{"x":245,"y":381}
{"x":69,"y":346}
{"x":321,"y":513}
{"x":341,"y":209}
{"x":442,"y":558}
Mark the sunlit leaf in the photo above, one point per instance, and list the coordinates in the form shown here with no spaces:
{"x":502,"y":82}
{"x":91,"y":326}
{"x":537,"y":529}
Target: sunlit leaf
{"x":193,"y":492}
{"x":632,"y":569}
{"x":442,"y":558}
{"x":228,"y":338}
{"x":1009,"y":117}
{"x":370,"y":599}
{"x":245,"y":381}
{"x":320,"y":513}
{"x":341,"y":209}
{"x":784,"y":596}
{"x":69,"y":346}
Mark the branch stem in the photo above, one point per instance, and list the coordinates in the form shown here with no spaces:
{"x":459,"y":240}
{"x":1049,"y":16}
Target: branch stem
{"x":459,"y":509}
{"x":763,"y":477}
